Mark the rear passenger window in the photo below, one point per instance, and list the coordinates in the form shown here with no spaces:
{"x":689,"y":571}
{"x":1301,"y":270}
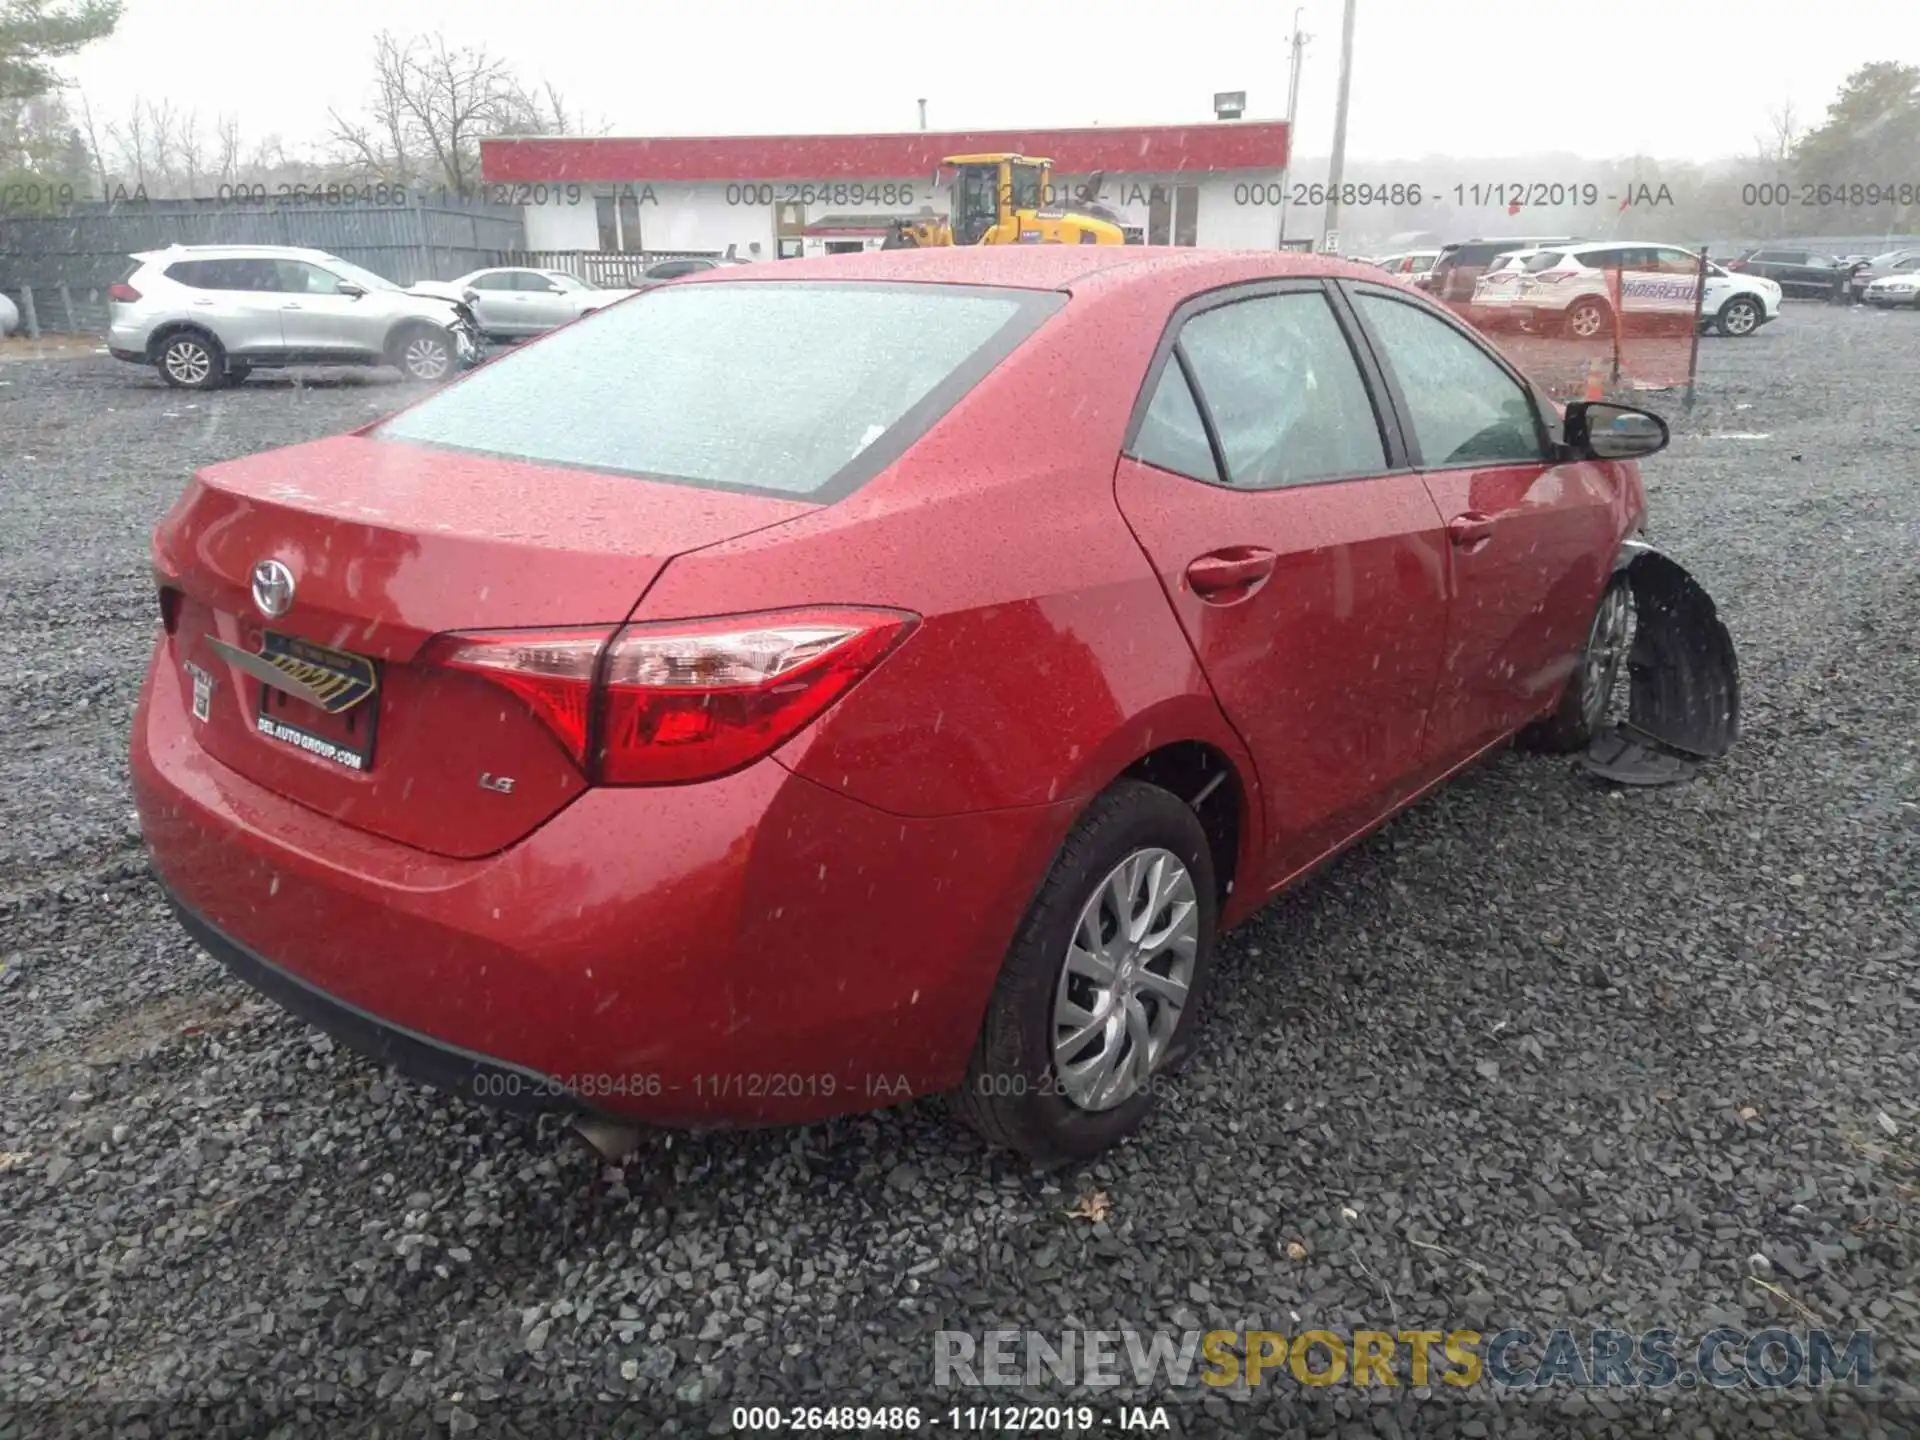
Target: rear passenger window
{"x":1172,"y":435}
{"x":1283,"y":391}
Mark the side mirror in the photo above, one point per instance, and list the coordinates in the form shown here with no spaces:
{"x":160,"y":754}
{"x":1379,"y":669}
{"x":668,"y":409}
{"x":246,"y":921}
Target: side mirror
{"x":1596,"y":430}
{"x":556,"y":288}
{"x":349,"y":289}
{"x":470,"y":296}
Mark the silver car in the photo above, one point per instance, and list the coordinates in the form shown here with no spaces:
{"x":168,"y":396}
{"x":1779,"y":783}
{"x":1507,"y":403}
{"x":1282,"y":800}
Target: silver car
{"x":206,"y":315}
{"x":512,"y":302}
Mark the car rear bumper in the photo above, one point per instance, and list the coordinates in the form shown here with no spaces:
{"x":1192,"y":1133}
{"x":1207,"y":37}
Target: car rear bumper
{"x":753,"y":949}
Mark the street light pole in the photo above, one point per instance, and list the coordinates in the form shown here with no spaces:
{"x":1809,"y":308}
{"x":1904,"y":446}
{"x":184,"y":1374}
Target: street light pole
{"x":1298,"y":44}
{"x":1337,"y":165}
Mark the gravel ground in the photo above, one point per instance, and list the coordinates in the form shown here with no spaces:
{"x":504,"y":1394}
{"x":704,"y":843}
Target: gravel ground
{"x":1535,"y":1054}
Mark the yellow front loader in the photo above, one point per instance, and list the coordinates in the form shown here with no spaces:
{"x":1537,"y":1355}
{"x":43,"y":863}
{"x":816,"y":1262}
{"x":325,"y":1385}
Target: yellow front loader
{"x":1005,"y":200}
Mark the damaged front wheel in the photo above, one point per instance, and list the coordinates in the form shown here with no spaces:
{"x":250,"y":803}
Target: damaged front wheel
{"x":1584,"y":704}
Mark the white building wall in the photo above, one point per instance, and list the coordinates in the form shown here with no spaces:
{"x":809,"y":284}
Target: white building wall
{"x":1237,"y":210}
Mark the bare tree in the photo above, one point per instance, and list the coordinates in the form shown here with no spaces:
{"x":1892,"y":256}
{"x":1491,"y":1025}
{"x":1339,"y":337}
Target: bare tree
{"x":162,"y":139}
{"x":226,"y":141}
{"x":193,"y":151}
{"x":1783,"y":133}
{"x":91,"y":131}
{"x":432,"y":104}
{"x":132,"y":140}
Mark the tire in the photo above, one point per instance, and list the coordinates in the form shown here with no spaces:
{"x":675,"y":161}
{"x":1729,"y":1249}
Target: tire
{"x":1740,"y":316}
{"x":1584,"y":703}
{"x":1588,"y":319}
{"x":191,"y":360}
{"x":1015,"y":1093}
{"x":423,"y":353}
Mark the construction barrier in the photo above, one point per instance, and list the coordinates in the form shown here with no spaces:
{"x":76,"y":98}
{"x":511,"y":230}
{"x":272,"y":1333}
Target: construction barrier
{"x":1626,"y":330}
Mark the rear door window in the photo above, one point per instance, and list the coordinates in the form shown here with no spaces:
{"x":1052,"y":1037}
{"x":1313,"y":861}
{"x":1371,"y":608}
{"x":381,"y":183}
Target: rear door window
{"x":1284,"y":392}
{"x":1172,"y":434}
{"x":781,"y":387}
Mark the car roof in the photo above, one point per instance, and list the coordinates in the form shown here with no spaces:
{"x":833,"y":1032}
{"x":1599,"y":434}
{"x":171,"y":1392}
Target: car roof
{"x":189,"y":252}
{"x":1049,"y":267}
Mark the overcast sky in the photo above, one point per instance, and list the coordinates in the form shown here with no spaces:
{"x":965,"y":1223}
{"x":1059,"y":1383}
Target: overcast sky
{"x":1676,"y":78}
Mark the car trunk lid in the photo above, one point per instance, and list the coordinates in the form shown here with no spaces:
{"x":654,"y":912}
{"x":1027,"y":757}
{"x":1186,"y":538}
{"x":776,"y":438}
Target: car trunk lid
{"x":387,"y":544}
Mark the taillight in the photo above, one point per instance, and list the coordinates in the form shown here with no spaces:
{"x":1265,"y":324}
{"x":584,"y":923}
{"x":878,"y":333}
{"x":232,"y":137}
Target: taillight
{"x":123,"y":292}
{"x":666,"y":703}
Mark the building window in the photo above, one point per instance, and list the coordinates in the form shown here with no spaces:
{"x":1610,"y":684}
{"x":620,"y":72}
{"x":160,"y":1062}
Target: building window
{"x":1173,"y":215}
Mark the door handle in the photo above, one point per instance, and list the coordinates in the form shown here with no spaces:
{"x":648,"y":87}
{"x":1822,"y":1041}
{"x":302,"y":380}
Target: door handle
{"x":1471,"y":530}
{"x":290,"y":306}
{"x":1232,"y":574}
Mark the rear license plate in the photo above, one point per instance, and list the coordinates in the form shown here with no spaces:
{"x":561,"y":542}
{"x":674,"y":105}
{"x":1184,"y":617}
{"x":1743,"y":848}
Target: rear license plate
{"x":342,"y":730}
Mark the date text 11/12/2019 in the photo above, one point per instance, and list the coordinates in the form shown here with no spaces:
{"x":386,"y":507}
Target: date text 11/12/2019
{"x":1510,"y":195}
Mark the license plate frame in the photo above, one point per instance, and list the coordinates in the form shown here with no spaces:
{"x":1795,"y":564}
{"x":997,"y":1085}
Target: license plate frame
{"x":345,"y":737}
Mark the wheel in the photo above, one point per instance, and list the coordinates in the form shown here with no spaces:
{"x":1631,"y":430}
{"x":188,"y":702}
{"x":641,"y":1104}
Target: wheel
{"x":1589,"y":693}
{"x":191,"y":361}
{"x":1739,"y":316}
{"x":423,"y":353}
{"x":1097,"y":998}
{"x":1588,"y":319}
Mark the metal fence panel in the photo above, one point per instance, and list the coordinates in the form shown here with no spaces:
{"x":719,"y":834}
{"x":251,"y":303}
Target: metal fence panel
{"x":87,"y":247}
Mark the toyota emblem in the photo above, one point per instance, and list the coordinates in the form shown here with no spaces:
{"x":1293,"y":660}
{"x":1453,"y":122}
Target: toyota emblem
{"x":272,"y":588}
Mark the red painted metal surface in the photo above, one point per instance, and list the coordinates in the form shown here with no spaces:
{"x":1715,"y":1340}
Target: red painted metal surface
{"x":1136,"y":149}
{"x":837,"y":910}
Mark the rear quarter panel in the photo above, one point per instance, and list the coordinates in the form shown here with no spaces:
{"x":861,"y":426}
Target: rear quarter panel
{"x":1048,"y":658}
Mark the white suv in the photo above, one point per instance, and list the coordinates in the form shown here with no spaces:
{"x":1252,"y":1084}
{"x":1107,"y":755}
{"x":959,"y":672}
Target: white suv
{"x":205,"y":315}
{"x":1573,"y":295}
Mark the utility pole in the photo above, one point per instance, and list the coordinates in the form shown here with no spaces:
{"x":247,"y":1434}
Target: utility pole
{"x":923,"y":114}
{"x":1298,"y":45}
{"x":1337,"y":165}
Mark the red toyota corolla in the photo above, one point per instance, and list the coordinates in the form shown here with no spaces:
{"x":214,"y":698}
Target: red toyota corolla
{"x":783,"y":693}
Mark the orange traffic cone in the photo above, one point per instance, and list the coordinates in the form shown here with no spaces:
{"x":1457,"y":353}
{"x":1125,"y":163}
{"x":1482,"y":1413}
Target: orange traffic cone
{"x":1596,"y":378}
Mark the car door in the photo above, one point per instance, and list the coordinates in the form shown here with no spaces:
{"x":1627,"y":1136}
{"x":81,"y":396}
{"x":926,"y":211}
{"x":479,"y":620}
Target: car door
{"x":237,"y":299}
{"x":1530,"y":542}
{"x":497,"y":307}
{"x":544,"y":303}
{"x":1265,"y":483}
{"x":317,"y":322}
{"x":1821,"y":275}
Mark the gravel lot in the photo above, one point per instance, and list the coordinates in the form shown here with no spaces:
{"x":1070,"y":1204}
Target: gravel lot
{"x":1537,"y":1053}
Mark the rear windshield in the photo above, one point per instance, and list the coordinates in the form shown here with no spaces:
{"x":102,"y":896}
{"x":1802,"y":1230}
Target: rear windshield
{"x":1545,"y":260}
{"x":783,"y":387}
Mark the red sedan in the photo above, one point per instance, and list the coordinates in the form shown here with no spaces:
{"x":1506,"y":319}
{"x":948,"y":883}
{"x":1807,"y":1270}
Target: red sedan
{"x":796,"y":689}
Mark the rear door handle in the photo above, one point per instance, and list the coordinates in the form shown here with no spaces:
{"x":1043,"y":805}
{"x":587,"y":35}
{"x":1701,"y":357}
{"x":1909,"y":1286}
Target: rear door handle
{"x":1225,"y":576}
{"x":1471,"y":530}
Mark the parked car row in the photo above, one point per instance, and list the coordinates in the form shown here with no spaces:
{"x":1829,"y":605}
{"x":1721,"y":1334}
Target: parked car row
{"x":209,"y":315}
{"x":1813,"y":275}
{"x":1570,"y":290}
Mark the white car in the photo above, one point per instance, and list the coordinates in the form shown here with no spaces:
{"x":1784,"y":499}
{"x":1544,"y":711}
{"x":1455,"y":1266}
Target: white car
{"x":1573,"y":295}
{"x":1900,"y":288}
{"x":512,"y":302}
{"x":1497,"y":288}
